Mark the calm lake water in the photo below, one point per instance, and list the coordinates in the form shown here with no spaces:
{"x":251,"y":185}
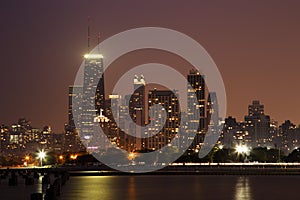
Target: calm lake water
{"x":181,"y":187}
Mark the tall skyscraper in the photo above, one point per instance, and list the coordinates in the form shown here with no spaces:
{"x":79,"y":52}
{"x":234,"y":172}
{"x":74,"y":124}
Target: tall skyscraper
{"x":113,"y":104}
{"x":75,"y":93}
{"x":127,"y":142}
{"x":93,"y":94}
{"x":134,"y":105}
{"x":196,"y":111}
{"x":72,"y":141}
{"x":212,"y":117}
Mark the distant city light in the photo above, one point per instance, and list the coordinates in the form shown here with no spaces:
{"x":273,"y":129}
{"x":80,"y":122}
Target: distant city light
{"x":87,"y":137}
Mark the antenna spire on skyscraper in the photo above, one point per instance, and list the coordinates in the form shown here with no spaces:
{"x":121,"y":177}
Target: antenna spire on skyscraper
{"x":98,"y":41}
{"x":88,"y":35}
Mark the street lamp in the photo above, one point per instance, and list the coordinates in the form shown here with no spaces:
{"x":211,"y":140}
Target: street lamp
{"x":131,"y":157}
{"x":41,"y":156}
{"x":242,"y":149}
{"x":27,"y":158}
{"x":73,"y":156}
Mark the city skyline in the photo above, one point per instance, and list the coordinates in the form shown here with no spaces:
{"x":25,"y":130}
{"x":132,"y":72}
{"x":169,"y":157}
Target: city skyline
{"x":88,"y":108}
{"x":256,"y":131}
{"x":253,"y":40}
{"x":149,"y":99}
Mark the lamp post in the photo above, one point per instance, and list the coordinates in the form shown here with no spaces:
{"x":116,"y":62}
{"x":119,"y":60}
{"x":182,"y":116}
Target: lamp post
{"x":242,"y":149}
{"x":131,"y":157}
{"x":26,"y":160}
{"x":41,"y":156}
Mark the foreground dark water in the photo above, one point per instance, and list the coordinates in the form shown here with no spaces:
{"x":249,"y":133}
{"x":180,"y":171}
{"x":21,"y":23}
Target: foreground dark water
{"x":181,"y":187}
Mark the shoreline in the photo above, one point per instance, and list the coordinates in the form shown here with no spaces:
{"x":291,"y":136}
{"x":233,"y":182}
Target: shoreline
{"x":234,"y":169}
{"x":222,"y":171}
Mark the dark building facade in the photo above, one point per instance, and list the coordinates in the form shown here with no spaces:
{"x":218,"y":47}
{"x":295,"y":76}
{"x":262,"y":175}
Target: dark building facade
{"x":196,"y":112}
{"x":258,"y":125}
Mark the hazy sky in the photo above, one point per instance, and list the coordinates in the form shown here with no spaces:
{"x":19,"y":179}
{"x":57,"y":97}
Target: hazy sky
{"x":254,"y":43}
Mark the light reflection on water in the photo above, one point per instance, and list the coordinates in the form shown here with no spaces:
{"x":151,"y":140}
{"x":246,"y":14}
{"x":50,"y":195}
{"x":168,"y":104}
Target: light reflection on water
{"x":243,"y":188}
{"x":180,"y":187}
{"x":164,"y":187}
{"x":131,"y":188}
{"x":90,"y":187}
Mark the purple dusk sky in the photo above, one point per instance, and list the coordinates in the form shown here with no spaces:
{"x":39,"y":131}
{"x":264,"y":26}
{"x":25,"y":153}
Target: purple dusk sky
{"x":254,"y":43}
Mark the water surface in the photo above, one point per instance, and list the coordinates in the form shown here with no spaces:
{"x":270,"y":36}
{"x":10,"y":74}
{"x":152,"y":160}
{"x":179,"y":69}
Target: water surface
{"x":181,"y":187}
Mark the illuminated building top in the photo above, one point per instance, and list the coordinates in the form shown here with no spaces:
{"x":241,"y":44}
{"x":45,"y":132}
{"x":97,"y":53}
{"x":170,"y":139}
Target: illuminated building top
{"x":93,"y":56}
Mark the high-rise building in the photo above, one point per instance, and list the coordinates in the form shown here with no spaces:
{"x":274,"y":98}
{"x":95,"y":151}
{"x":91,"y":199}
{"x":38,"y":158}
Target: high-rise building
{"x":20,"y":138}
{"x":234,"y":133}
{"x":131,"y":116}
{"x":213,"y":119}
{"x":93,"y":94}
{"x":167,"y":116}
{"x":113,"y":114}
{"x":228,"y":132}
{"x":75,"y":96}
{"x":258,"y":125}
{"x":274,"y":134}
{"x":97,"y":141}
{"x":196,"y":110}
{"x":137,"y":101}
{"x":290,"y":137}
{"x":213,"y":110}
{"x":127,"y":125}
{"x":72,"y":142}
{"x":4,"y":138}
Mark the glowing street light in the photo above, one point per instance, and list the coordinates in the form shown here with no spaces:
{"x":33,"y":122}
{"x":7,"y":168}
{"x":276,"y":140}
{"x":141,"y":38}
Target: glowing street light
{"x":41,"y":156}
{"x":131,"y":156}
{"x":73,"y":156}
{"x":27,"y":158}
{"x":242,"y":149}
